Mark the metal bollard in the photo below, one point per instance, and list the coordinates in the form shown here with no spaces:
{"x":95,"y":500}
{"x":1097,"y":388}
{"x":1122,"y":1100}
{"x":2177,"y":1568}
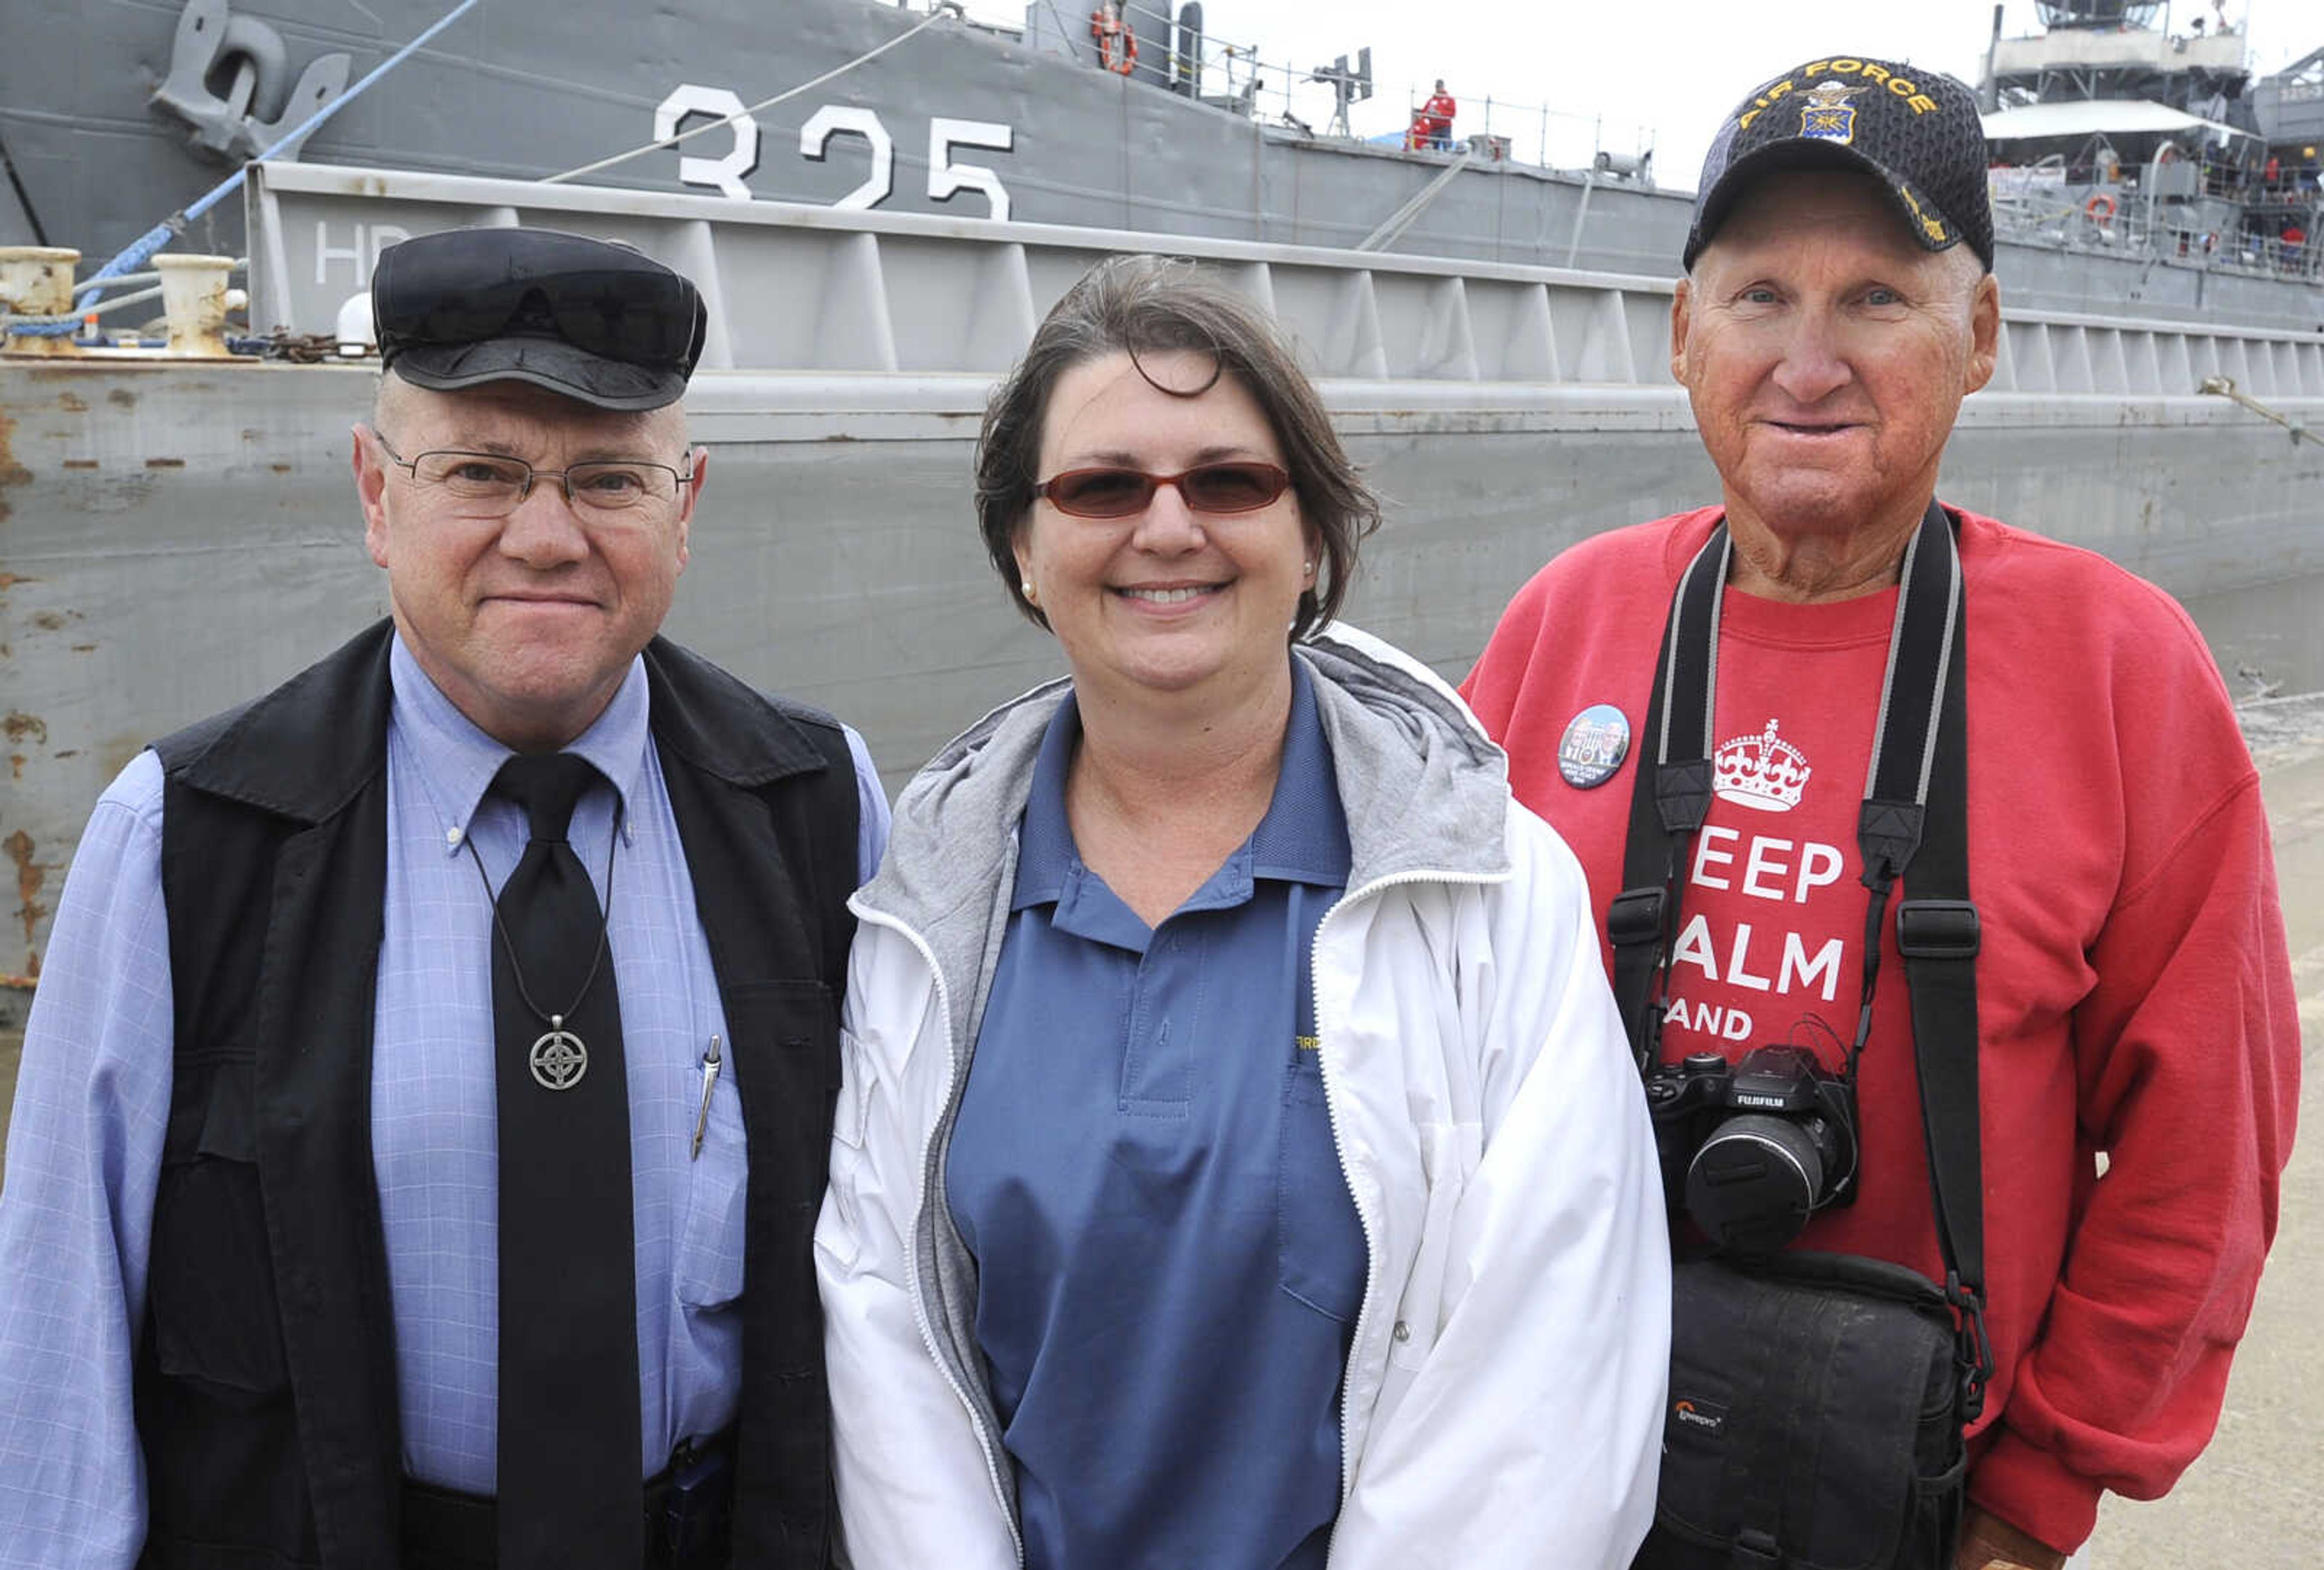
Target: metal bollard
{"x":194,"y":296}
{"x":36,"y":281}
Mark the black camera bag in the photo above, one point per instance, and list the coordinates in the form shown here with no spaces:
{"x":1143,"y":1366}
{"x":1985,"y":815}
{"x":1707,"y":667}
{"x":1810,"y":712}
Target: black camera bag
{"x":1815,"y":1417}
{"x":1817,"y":1402}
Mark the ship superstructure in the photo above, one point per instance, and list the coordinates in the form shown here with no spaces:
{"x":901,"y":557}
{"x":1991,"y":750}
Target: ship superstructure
{"x":2114,"y":135}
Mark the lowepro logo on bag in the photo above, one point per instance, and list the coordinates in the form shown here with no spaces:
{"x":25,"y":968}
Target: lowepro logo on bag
{"x":1700,"y":1415}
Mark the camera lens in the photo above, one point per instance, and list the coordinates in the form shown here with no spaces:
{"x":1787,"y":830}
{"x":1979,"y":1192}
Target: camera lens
{"x":1753,"y":1181}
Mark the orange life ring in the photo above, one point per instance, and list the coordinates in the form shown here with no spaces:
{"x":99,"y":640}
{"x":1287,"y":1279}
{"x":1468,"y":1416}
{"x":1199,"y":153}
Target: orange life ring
{"x":2101,"y":207}
{"x":1116,"y":46}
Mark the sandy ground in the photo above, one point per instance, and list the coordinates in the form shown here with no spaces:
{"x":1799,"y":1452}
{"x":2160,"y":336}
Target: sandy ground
{"x":2257,"y":1496}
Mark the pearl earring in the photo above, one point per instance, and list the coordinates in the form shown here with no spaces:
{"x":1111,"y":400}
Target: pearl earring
{"x":1032,"y":595}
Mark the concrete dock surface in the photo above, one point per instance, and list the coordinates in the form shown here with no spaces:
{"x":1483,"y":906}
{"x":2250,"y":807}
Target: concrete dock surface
{"x":2256,"y":1498}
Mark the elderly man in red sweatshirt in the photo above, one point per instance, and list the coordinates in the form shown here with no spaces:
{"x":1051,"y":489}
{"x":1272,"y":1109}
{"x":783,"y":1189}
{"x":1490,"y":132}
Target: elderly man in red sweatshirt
{"x":2136,"y":1036}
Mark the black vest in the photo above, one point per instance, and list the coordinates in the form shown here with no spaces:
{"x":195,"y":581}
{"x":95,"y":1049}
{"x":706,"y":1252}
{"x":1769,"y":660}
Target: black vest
{"x":266,"y":1378}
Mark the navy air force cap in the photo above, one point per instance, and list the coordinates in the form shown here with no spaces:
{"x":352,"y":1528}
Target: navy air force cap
{"x":592,"y":320}
{"x":1917,"y":133}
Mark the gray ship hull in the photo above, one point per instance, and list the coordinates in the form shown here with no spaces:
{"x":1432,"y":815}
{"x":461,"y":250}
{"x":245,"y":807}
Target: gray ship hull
{"x":500,"y":96}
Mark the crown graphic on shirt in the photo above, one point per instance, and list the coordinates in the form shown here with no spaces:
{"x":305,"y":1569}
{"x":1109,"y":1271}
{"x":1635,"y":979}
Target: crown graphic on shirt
{"x":1763,"y":772}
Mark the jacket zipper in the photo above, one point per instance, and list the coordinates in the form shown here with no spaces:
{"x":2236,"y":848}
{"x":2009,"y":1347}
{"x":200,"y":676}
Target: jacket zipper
{"x":920,"y":1315}
{"x":1324,"y":1036}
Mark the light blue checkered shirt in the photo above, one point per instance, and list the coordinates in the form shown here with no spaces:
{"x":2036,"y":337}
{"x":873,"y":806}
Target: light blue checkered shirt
{"x":93,"y":1096}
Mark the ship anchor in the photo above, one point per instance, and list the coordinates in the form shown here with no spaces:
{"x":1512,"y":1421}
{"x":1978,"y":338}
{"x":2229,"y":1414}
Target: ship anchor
{"x":249,"y":58}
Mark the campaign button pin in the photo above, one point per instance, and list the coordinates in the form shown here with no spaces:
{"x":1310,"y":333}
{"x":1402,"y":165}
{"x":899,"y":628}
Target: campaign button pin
{"x":1594,"y":746}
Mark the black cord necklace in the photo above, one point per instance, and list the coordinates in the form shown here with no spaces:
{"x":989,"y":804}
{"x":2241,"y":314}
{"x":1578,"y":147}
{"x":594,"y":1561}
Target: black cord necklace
{"x":558,"y":1058}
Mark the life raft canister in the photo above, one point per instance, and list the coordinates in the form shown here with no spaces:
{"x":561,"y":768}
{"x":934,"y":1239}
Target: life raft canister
{"x":1116,"y":46}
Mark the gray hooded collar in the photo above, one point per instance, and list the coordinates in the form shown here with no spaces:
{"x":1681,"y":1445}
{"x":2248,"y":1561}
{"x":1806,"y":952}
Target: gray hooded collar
{"x":1424,"y":789}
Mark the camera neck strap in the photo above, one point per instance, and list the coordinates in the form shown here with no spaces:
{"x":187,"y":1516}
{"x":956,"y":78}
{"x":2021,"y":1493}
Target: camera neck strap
{"x":1914,"y":815}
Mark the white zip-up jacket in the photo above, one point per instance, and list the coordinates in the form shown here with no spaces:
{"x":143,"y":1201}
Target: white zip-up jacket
{"x":1502,"y":1402}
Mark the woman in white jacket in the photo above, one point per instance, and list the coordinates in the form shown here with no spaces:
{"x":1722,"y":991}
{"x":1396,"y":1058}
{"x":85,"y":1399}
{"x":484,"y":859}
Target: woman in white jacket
{"x":1238,"y":1160}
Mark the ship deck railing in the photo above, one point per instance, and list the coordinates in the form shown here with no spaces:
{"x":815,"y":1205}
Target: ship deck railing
{"x":1237,"y":78}
{"x":837,"y":298}
{"x":2114,"y":220}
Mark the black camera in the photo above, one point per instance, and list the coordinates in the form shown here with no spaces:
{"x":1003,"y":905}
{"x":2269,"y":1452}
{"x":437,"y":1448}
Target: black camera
{"x":1755,"y":1147}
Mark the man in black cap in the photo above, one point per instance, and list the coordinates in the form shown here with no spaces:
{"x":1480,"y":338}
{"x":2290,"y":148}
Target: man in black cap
{"x":424,"y":1114}
{"x":2124,"y":979}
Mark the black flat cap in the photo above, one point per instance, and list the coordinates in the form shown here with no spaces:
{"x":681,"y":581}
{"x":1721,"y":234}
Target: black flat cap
{"x":592,"y":320}
{"x":1917,"y":133}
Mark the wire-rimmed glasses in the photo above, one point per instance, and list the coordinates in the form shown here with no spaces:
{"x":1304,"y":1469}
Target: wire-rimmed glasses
{"x":488,"y":485}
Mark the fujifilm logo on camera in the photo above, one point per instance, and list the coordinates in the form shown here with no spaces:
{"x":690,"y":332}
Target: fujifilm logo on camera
{"x":1700,"y":1415}
{"x":1745,"y":1098}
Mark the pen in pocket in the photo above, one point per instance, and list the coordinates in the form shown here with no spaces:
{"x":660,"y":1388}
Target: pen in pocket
{"x":711,"y":1064}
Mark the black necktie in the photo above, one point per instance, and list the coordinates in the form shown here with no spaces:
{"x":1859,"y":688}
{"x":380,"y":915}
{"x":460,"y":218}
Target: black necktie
{"x":570,"y":1458}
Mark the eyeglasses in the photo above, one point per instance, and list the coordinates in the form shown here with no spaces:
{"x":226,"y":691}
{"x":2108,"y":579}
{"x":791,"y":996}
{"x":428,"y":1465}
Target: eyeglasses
{"x":1115,"y":493}
{"x":493,"y":485}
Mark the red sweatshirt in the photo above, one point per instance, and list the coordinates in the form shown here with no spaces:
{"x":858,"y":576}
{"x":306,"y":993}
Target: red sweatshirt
{"x":2134,"y":994}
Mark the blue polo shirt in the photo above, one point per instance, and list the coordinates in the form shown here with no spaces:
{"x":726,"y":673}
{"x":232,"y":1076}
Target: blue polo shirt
{"x":1170,"y":1262}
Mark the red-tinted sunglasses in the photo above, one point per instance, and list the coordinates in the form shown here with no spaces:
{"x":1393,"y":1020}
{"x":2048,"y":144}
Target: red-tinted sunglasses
{"x":1111,"y":493}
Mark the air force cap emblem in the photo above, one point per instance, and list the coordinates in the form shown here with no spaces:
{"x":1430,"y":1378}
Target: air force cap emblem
{"x":1827,"y":114}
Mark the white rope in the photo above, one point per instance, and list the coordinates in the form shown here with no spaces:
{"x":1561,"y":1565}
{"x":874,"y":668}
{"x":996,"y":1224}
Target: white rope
{"x":10,"y":323}
{"x":127,"y":280}
{"x":942,"y":9}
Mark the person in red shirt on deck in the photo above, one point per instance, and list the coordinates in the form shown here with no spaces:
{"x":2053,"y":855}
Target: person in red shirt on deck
{"x":2135,"y":1009}
{"x":1438,"y":112}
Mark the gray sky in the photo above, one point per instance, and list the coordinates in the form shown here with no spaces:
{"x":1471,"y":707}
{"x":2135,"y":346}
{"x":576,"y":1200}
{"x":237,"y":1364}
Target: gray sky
{"x":1658,"y":72}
